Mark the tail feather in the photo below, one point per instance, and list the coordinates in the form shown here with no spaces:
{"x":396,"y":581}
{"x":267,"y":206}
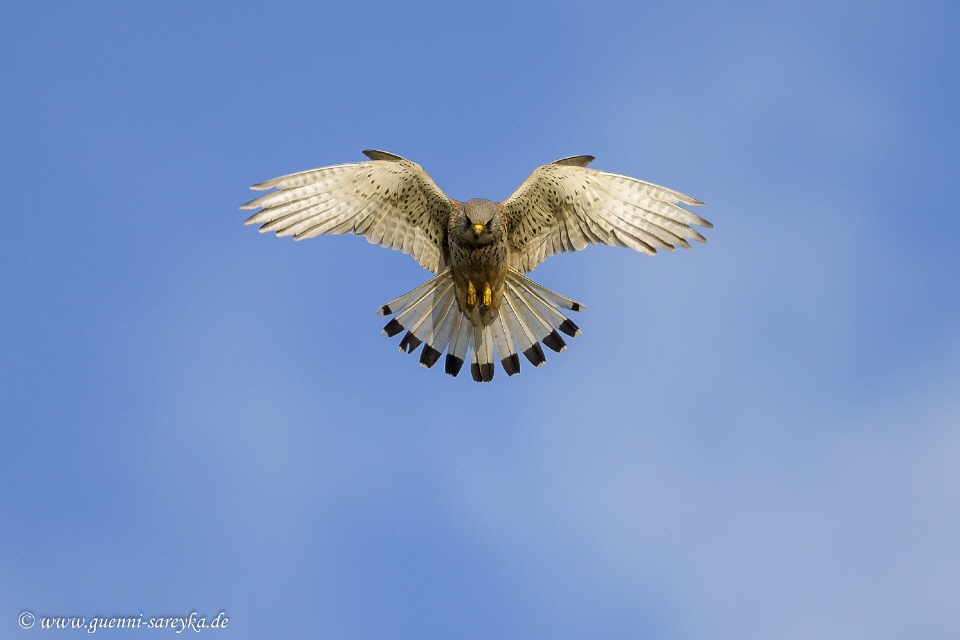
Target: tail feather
{"x":424,"y":328}
{"x":459,"y":343}
{"x":550,"y":296}
{"x":481,"y":363}
{"x":424,"y":305}
{"x":436,"y":343}
{"x":401,"y":302}
{"x":523,"y":334}
{"x":485,"y":355}
{"x":529,"y":315}
{"x":548,"y":310}
{"x":503,"y":339}
{"x":474,"y":356}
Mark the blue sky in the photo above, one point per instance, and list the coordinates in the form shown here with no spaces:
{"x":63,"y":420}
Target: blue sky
{"x":758,"y":438}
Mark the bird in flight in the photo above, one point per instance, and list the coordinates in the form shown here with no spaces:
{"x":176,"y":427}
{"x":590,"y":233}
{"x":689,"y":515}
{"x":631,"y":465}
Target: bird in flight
{"x":479,"y":250}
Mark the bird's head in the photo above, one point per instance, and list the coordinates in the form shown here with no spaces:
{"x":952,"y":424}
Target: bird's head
{"x":479,"y":221}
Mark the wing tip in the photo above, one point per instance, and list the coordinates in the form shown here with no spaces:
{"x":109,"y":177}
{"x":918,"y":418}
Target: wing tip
{"x":376,"y":154}
{"x":575,"y":161}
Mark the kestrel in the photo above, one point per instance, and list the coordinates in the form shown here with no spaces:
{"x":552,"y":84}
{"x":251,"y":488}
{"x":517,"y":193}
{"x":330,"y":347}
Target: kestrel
{"x":479,"y":250}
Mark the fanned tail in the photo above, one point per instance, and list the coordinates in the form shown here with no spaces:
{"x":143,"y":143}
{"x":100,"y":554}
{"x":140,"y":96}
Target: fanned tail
{"x":529,"y":315}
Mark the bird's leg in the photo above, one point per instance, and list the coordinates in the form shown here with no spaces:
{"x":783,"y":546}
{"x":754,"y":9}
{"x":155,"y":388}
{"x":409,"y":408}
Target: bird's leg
{"x":487,"y":295}
{"x":471,"y":295}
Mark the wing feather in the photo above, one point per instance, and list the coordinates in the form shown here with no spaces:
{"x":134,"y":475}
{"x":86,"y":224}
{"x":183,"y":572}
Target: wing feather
{"x":391,"y":201}
{"x":564,"y":206}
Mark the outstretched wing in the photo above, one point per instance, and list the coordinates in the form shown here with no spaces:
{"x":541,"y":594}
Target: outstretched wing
{"x":390,"y":200}
{"x":563,"y":206}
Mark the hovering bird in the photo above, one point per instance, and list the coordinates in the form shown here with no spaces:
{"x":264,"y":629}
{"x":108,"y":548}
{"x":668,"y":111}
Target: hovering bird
{"x":479,"y":250}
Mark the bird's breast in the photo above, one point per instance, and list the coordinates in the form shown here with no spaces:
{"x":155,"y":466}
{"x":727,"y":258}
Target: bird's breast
{"x":479,"y":273}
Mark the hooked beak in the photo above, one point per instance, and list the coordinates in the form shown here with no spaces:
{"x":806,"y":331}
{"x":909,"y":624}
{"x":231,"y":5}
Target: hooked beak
{"x":478,"y":228}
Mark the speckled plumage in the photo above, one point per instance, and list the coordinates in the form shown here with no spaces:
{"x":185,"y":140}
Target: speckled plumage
{"x":479,"y":300}
{"x":478,"y":257}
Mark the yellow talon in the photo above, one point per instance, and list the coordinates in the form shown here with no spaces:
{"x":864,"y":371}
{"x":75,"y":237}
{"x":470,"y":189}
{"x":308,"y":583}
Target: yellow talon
{"x":487,"y":295}
{"x":471,"y":295}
